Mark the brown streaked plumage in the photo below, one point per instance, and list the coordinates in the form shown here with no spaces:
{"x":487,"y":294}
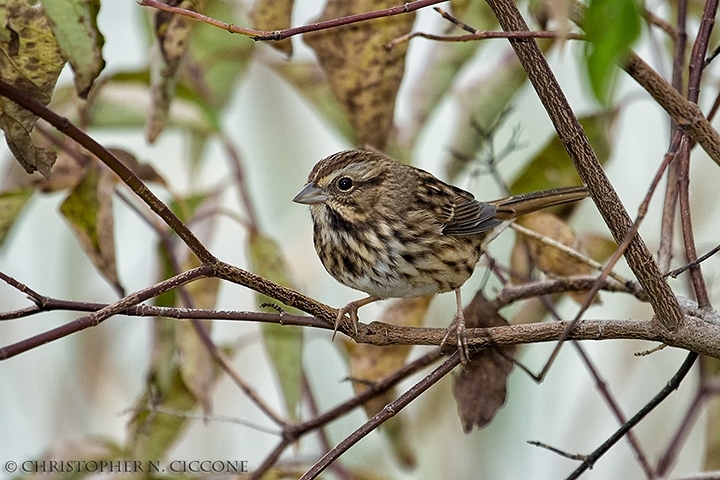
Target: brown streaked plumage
{"x":392,"y":230}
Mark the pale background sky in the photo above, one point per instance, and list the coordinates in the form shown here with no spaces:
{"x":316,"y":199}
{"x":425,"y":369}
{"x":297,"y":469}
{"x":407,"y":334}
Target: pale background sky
{"x":81,"y":385}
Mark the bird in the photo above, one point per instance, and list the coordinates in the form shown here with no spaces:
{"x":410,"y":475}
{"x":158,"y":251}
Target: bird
{"x":392,"y":230}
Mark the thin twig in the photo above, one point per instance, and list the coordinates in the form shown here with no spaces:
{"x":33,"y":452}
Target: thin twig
{"x":513,"y":293}
{"x":276,"y":35}
{"x":390,"y":410}
{"x":586,"y":163}
{"x":572,"y":253}
{"x":671,"y":386}
{"x":698,"y":261}
{"x":293,"y":432}
{"x":103,"y":314}
{"x":120,"y":169}
{"x":571,"y":456}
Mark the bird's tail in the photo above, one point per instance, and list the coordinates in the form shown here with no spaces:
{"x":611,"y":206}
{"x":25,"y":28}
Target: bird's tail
{"x":511,"y":207}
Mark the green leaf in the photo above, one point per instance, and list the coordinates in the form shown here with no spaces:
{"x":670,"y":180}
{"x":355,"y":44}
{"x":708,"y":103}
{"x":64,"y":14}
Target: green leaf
{"x":32,"y":63}
{"x":217,"y":60}
{"x":153,"y":433}
{"x":552,"y":167}
{"x":611,"y":27}
{"x":89,"y":210}
{"x":283,"y":344}
{"x":11,"y":204}
{"x":74,"y":23}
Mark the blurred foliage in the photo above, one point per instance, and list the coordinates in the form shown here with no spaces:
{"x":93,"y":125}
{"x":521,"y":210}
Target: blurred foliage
{"x":191,"y":73}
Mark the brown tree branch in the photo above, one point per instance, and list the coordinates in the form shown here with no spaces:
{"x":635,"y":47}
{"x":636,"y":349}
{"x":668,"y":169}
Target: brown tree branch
{"x":587,"y":165}
{"x":276,"y":35}
{"x":104,"y":313}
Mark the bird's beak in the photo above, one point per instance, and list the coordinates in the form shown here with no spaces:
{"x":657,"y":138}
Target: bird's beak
{"x":310,"y":195}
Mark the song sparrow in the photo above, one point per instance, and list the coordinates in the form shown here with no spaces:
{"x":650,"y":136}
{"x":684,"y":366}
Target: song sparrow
{"x":392,"y":230}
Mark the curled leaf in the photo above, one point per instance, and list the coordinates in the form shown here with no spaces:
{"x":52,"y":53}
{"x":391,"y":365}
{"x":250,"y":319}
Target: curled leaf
{"x":173,"y":34}
{"x":548,"y":258}
{"x":74,"y":23}
{"x":480,"y":388}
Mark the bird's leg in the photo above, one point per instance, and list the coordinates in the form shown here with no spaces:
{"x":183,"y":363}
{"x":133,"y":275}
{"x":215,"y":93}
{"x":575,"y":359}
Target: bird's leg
{"x":352,"y":308}
{"x":458,"y":326}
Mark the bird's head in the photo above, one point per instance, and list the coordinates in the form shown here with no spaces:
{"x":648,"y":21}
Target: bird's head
{"x":349,"y":184}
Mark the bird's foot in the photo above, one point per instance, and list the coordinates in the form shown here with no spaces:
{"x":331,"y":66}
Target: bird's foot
{"x":351,"y":309}
{"x":458,"y":328}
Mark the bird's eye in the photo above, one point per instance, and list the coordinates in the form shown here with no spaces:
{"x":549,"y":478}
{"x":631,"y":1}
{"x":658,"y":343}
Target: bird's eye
{"x":345,"y":184}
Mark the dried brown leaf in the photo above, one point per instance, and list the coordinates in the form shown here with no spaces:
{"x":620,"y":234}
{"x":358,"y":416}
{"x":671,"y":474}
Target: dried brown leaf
{"x":364,"y":75}
{"x":143,"y":170}
{"x":173,"y":37}
{"x":546,"y":257}
{"x":481,"y":386}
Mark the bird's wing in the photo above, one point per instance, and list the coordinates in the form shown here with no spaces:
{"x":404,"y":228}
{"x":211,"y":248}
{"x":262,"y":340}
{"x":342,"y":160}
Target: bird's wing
{"x":467,"y":216}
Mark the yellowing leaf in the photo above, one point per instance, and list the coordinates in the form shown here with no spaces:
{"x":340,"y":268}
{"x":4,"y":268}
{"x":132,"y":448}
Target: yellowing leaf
{"x":283,"y":344}
{"x":29,"y":60}
{"x":364,"y":75}
{"x":599,"y":247}
{"x":197,"y":366}
{"x":369,"y":363}
{"x":89,"y":211}
{"x":74,"y":23}
{"x":274,"y":15}
{"x":711,"y":462}
{"x":153,"y":433}
{"x":548,"y":258}
{"x":11,"y":204}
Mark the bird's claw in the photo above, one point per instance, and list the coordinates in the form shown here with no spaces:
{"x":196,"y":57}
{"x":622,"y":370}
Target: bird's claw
{"x":351,"y":309}
{"x":458,"y":326}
